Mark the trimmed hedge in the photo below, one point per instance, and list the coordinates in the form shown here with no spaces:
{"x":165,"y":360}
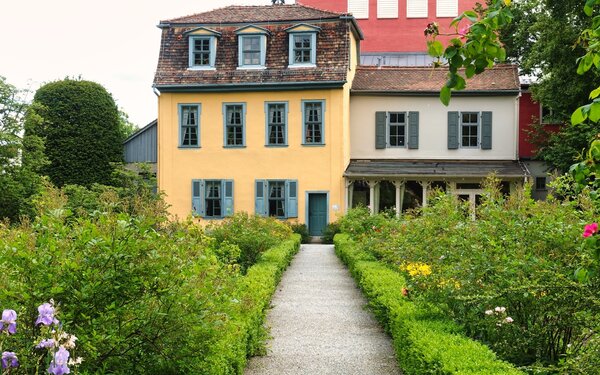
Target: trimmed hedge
{"x":246,"y":335}
{"x":425,"y":341}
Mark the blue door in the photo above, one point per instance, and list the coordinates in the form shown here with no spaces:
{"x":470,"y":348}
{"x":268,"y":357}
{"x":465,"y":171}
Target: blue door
{"x":317,"y":213}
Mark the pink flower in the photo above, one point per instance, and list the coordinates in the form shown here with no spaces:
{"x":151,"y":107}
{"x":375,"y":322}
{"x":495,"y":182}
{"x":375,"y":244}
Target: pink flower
{"x":463,"y":31}
{"x":590,"y":229}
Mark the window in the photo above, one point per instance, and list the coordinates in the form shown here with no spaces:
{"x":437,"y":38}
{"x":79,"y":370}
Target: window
{"x":547,"y":115}
{"x":397,"y":129}
{"x":387,"y":8}
{"x":276,"y":114}
{"x":540,"y":183}
{"x":202,"y":52}
{"x":312,"y":116}
{"x":447,"y":8}
{"x":303,"y":49}
{"x":469,"y":129}
{"x":252,"y":51}
{"x":416,"y":8}
{"x":189,"y":125}
{"x":212,"y":198}
{"x":234,"y":118}
{"x":277,"y":198}
{"x":359,"y":8}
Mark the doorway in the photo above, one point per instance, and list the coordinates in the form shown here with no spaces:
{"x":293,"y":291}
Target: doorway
{"x":317,"y":213}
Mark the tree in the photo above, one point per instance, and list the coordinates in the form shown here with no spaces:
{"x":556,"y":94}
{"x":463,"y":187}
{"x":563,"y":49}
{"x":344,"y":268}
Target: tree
{"x":20,"y":159}
{"x":82,"y":132}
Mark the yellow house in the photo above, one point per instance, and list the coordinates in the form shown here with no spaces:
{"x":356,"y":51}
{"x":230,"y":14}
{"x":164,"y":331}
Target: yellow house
{"x":254,"y":112}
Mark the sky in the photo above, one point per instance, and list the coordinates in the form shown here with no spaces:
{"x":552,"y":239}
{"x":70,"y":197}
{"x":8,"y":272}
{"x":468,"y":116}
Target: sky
{"x":112,"y":42}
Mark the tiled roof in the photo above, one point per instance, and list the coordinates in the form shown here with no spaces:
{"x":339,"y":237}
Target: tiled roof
{"x":260,"y":13}
{"x":503,"y":77}
{"x":435,"y":168}
{"x":333,"y":48}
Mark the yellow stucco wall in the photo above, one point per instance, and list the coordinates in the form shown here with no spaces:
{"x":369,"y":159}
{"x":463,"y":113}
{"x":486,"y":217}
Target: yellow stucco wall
{"x":317,"y":168}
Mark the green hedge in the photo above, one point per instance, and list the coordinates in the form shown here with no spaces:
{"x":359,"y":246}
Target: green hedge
{"x":246,"y":336}
{"x":425,"y":341}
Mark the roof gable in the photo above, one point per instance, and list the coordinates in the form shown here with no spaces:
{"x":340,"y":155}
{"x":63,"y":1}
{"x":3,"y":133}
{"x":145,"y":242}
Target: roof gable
{"x":303,"y":28}
{"x":252,"y":29}
{"x":202,"y":31}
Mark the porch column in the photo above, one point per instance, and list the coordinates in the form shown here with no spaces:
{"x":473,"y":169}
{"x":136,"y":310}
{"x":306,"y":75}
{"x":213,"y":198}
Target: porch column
{"x":425,"y":185}
{"x":372,"y":200}
{"x":399,"y":196}
{"x":349,"y":193}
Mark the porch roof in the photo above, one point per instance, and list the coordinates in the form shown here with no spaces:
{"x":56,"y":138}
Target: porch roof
{"x":394,"y":168}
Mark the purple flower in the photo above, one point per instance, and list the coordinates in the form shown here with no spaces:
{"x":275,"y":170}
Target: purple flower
{"x":46,"y":343}
{"x":58,"y":366}
{"x":9,"y":359}
{"x":9,"y":317}
{"x":46,"y":317}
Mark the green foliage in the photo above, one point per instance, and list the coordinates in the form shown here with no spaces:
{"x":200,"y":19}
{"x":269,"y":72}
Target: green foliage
{"x":424,"y":340}
{"x":142,"y":294}
{"x":81,"y":129}
{"x":330,"y":231}
{"x":302,"y":230}
{"x":519,"y":254}
{"x":475,"y":45}
{"x":252,"y":234}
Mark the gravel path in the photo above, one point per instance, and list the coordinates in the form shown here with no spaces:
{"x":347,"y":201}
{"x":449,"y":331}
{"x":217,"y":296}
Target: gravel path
{"x":320,"y":325}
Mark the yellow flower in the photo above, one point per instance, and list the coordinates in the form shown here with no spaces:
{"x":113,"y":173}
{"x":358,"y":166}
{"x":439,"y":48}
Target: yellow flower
{"x":418,"y":269}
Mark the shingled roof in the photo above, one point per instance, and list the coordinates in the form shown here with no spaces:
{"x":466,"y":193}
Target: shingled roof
{"x":503,"y":78}
{"x":258,"y":13}
{"x":333,"y":48}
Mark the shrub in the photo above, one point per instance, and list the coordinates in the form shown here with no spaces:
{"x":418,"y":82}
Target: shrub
{"x":330,"y":231}
{"x":302,"y":230}
{"x":426,"y":342}
{"x":252,"y":234}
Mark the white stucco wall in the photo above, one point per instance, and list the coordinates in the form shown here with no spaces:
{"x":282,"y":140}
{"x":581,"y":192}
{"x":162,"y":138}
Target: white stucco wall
{"x":433,"y":127}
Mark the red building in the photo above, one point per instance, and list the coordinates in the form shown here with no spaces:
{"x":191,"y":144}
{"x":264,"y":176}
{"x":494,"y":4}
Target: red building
{"x":396,"y":25}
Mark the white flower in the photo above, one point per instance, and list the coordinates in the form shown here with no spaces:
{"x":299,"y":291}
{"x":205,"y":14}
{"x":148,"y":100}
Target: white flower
{"x":508,"y":319}
{"x":75,"y":362}
{"x":70,"y":344}
{"x":489,"y":312}
{"x":500,"y":309}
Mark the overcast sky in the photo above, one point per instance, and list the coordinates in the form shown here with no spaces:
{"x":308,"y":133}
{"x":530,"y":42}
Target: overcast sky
{"x":112,"y":42}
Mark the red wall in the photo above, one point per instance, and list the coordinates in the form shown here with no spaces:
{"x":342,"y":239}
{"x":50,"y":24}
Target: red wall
{"x":529,"y":112}
{"x":393,"y":35}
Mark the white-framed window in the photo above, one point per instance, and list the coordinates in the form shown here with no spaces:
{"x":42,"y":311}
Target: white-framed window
{"x":189,"y":125}
{"x":469,"y":129}
{"x":396,"y":129}
{"x":252,"y":51}
{"x":276,"y":123}
{"x":234,"y":119}
{"x":446,"y":8}
{"x":202,"y":52}
{"x":312,"y":122}
{"x":212,"y":199}
{"x":416,"y":9}
{"x":359,"y":8}
{"x":387,"y":8}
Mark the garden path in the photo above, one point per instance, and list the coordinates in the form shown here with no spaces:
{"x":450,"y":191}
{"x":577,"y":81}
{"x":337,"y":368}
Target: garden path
{"x":320,"y":325}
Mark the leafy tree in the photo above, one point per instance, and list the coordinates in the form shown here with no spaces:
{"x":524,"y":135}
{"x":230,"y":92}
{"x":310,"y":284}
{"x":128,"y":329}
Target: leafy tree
{"x":20,"y":159}
{"x":82,"y":132}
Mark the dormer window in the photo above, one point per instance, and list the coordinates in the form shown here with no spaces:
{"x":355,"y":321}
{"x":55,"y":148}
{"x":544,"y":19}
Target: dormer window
{"x":252,"y":47}
{"x":202,"y":48}
{"x":303,"y":45}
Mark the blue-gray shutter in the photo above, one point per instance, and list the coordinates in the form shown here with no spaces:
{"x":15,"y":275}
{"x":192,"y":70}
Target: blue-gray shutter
{"x":260,"y":198}
{"x":452,"y":130}
{"x":486,"y":130}
{"x":380,"y":124}
{"x":227,"y":188}
{"x":413,"y":130}
{"x":291,"y":193}
{"x":198,"y":198}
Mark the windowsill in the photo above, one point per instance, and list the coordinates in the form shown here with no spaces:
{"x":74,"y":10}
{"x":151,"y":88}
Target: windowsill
{"x":206,"y":68}
{"x":277,"y":146}
{"x":314,"y":144}
{"x":252,"y":67}
{"x":300,"y":66}
{"x":188,"y":147}
{"x":234,"y":146}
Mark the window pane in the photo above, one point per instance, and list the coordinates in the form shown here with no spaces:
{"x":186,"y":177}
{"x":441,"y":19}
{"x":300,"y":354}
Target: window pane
{"x":277,"y":198}
{"x":213,"y":198}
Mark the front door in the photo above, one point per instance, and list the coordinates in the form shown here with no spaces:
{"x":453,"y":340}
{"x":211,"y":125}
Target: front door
{"x":317,"y":213}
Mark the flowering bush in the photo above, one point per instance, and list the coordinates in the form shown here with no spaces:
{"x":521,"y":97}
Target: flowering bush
{"x":519,"y":255}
